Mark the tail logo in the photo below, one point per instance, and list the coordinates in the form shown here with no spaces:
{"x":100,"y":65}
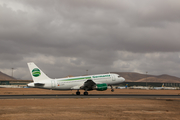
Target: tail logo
{"x":36,"y":72}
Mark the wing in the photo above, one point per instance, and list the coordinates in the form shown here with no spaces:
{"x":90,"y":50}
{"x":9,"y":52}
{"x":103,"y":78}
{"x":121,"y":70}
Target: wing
{"x":89,"y":85}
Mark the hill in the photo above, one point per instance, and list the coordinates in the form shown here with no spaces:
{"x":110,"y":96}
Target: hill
{"x":137,"y":77}
{"x":129,"y":76}
{"x":6,"y":77}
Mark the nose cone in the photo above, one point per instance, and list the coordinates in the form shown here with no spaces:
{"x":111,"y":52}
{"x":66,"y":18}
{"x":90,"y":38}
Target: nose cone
{"x":123,"y":79}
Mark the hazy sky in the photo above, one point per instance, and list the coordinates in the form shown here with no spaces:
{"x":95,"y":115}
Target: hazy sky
{"x":67,"y":37}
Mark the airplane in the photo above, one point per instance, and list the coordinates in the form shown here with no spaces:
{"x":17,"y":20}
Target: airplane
{"x":121,"y":87}
{"x":99,"y":82}
{"x":164,"y":88}
{"x":159,"y":88}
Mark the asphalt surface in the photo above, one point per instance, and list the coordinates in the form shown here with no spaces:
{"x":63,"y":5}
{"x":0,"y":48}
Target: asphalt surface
{"x":61,"y":96}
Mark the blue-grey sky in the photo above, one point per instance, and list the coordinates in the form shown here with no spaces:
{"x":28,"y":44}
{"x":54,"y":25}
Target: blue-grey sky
{"x":67,"y":37}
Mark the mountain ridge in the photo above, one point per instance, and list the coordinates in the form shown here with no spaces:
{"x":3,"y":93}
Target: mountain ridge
{"x":4,"y":76}
{"x":129,"y":77}
{"x":137,"y":77}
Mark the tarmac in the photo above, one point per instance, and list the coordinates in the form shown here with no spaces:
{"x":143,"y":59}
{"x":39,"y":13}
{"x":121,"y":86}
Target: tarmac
{"x":61,"y":96}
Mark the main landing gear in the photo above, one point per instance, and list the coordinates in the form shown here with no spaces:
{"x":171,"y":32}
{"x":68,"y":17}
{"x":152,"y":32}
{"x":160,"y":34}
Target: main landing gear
{"x":78,"y":93}
{"x":85,"y":93}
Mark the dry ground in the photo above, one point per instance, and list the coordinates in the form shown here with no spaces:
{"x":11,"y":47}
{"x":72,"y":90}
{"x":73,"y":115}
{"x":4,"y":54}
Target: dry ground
{"x":89,"y":108}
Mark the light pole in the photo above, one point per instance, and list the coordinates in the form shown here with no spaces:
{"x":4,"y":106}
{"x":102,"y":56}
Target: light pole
{"x":146,"y":79}
{"x":12,"y":71}
{"x":86,"y":72}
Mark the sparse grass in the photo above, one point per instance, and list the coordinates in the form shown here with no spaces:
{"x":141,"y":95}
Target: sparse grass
{"x":94,"y":109}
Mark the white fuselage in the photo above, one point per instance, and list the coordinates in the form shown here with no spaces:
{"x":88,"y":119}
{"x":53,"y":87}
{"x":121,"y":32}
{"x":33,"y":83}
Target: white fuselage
{"x":75,"y":83}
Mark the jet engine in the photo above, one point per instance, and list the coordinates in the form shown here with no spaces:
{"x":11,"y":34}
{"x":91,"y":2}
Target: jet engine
{"x":101,"y":87}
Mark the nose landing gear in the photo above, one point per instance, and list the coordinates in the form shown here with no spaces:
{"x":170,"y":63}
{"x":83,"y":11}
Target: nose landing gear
{"x":112,"y":90}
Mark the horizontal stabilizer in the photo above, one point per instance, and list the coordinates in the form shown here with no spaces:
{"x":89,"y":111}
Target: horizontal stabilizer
{"x":39,"y":84}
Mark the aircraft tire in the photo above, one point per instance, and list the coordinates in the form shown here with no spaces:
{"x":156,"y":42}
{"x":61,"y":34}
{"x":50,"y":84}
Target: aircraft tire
{"x":78,"y":93}
{"x":85,"y":93}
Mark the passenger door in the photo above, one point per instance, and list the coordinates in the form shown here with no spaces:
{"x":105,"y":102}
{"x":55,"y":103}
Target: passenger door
{"x":113,"y":78}
{"x":53,"y":83}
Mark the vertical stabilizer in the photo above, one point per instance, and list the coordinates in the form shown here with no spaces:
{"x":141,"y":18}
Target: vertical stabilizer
{"x":36,"y":73}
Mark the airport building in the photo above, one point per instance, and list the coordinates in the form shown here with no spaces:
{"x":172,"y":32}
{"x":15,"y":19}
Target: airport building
{"x":18,"y":83}
{"x":6,"y":80}
{"x":23,"y":83}
{"x":150,"y":84}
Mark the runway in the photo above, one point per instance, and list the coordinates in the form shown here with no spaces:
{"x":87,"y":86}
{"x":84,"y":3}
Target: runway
{"x":61,"y":96}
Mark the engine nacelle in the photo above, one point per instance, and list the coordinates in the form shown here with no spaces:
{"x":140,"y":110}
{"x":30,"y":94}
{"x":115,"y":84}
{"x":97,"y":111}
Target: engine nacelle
{"x":101,"y":87}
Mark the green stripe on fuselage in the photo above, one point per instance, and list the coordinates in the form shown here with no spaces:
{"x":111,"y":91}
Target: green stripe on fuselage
{"x":76,"y":79}
{"x":101,"y":76}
